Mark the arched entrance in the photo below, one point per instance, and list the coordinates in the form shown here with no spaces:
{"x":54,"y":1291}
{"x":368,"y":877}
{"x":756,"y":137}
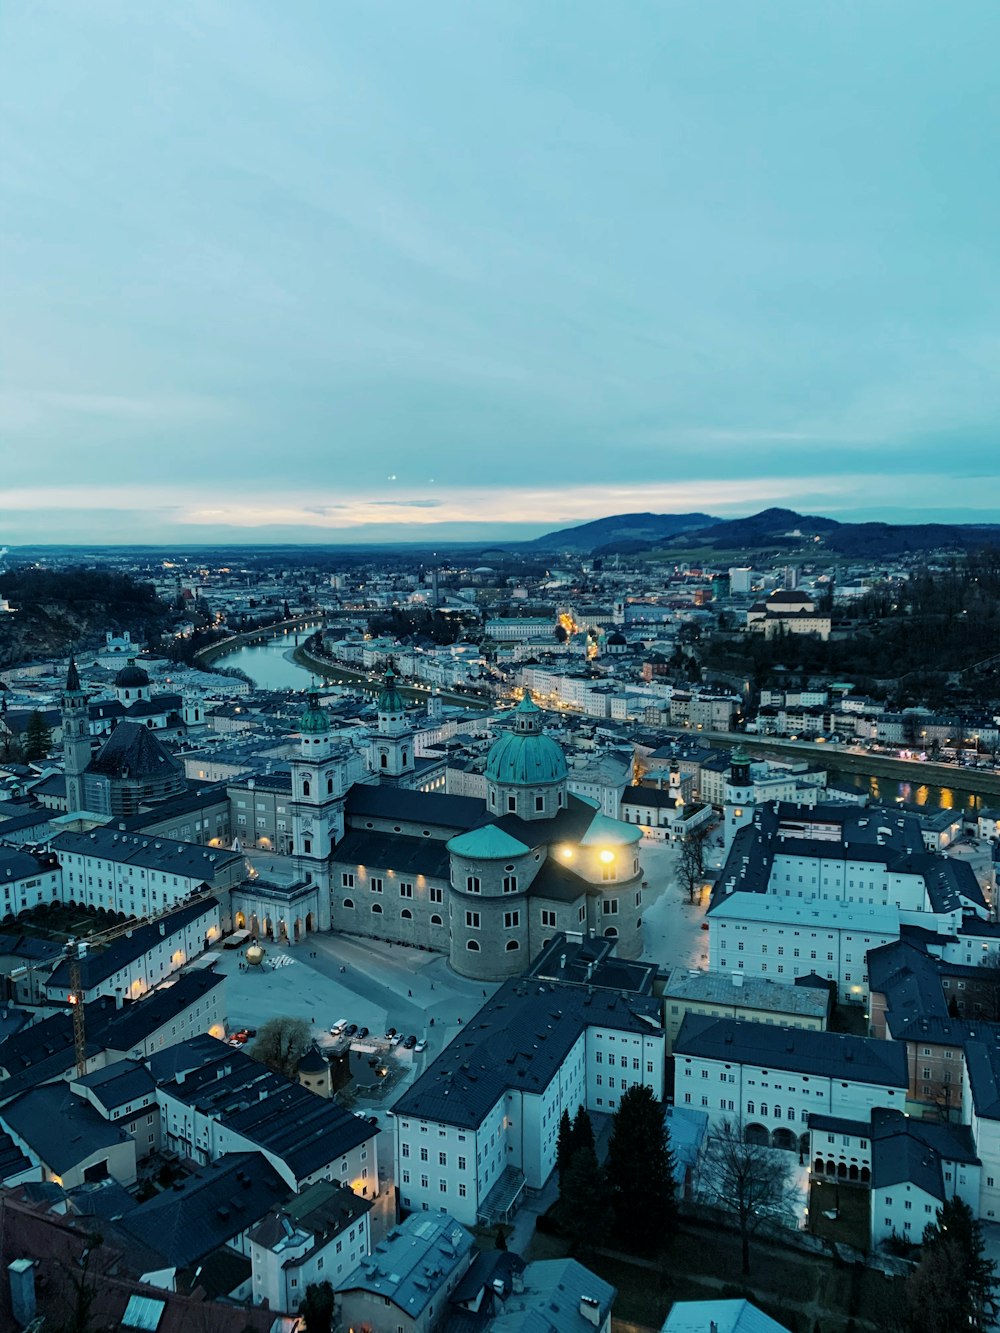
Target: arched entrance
{"x":241,"y":921}
{"x":786,"y":1139}
{"x":757,"y":1134}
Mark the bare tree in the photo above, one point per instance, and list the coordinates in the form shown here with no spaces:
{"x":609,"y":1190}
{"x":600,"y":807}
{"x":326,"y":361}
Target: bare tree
{"x":750,"y":1181}
{"x":691,"y":865}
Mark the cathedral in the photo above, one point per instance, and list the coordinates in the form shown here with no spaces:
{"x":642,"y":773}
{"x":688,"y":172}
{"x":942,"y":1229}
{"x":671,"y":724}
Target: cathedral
{"x":487,"y":881}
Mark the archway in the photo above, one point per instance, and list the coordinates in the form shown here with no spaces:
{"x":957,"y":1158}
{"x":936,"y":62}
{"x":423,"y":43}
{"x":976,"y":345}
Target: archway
{"x":852,"y":1172}
{"x":786,"y":1139}
{"x":841,"y":1170}
{"x":866,"y":1176}
{"x":819,"y":1166}
{"x":757,"y":1134}
{"x":241,"y":921}
{"x":804,"y":1145}
{"x":831,"y":1168}
{"x":310,"y":921}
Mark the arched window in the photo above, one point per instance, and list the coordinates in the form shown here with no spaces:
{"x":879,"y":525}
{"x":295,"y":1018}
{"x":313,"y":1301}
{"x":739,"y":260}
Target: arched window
{"x":384,"y":760}
{"x":305,"y":786}
{"x":611,"y":933}
{"x":406,"y":914}
{"x":472,"y":946}
{"x":404,"y":756}
{"x":763,"y":1108}
{"x":329,"y":786}
{"x":750,"y":1109}
{"x":377,"y":908}
{"x":436,"y":920}
{"x":348,"y":902}
{"x":512,"y":946}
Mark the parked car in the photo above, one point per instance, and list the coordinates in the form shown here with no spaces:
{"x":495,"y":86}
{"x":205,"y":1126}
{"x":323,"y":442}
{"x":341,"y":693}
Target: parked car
{"x":338,"y":1028}
{"x":410,"y":1042}
{"x":390,"y":1033}
{"x":352,"y":1030}
{"x":362,"y":1033}
{"x":420,"y":1046}
{"x":395,"y":1039}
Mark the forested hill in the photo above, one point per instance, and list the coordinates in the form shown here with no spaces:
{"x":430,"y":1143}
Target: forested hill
{"x":54,"y":610}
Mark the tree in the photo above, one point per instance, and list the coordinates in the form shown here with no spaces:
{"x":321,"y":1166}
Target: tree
{"x":640,"y":1169}
{"x":691,"y":866}
{"x":564,"y":1144}
{"x":746,"y":1179}
{"x":37,"y":737}
{"x":955,"y":1285}
{"x":988,"y":985}
{"x":584,"y":1203}
{"x":583,"y":1132}
{"x":280,"y":1043}
{"x":317,"y":1307}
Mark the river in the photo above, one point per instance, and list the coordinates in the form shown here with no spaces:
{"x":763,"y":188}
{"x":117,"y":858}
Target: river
{"x":887,"y":790}
{"x":267,"y":666}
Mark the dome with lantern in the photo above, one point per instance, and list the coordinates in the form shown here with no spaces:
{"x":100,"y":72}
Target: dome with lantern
{"x":525,"y":756}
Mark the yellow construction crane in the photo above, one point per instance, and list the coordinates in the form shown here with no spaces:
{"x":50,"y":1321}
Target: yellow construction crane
{"x":77,"y":950}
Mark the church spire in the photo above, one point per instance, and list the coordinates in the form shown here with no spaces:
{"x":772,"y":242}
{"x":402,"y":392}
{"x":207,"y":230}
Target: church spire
{"x":73,"y":677}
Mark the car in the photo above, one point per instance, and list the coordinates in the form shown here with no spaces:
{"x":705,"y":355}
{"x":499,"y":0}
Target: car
{"x":338,"y":1027}
{"x":362,"y":1033}
{"x":352,"y":1030}
{"x":395,"y":1039}
{"x":409,"y":1042}
{"x":390,"y":1033}
{"x":251,"y":1032}
{"x":420,"y":1046}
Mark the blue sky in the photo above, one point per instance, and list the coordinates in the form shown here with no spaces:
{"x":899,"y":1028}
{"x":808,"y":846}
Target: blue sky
{"x":325,"y":270}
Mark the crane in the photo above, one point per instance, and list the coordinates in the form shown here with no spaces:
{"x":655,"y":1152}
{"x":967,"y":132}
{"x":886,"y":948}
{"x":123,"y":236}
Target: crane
{"x":77,"y":950}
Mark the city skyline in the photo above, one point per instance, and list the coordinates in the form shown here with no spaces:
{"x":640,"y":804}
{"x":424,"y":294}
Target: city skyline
{"x":379,"y":273}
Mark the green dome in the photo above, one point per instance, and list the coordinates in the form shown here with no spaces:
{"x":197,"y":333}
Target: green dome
{"x":390,"y":700}
{"x":525,"y":756}
{"x":740,"y":756}
{"x":314,"y":721}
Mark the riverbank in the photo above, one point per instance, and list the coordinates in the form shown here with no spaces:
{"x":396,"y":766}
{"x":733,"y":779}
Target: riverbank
{"x":373,"y":684}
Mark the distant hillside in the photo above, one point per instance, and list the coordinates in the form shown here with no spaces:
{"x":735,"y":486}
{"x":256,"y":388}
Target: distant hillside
{"x":54,"y":610}
{"x":621,"y":531}
{"x":772,"y":530}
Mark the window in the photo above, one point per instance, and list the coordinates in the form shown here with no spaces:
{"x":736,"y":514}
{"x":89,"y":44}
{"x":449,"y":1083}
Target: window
{"x":512,"y":946}
{"x":461,"y":1164}
{"x":436,"y":920}
{"x":377,"y":908}
{"x":406,"y":914}
{"x":376,"y":884}
{"x":539,"y":804}
{"x":472,"y":946}
{"x":472,"y":884}
{"x":472,"y":920}
{"x":348,"y":902}
{"x":405,"y":890}
{"x":347,"y":879}
{"x":511,"y":920}
{"x":610,"y":907}
{"x":423,"y":1154}
{"x":510,"y":884}
{"x":548,"y":918}
{"x":461,"y":1191}
{"x":436,"y":895}
{"x":511,"y":804}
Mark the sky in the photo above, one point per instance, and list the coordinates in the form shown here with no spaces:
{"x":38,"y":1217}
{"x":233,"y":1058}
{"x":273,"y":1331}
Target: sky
{"x":329,"y":270}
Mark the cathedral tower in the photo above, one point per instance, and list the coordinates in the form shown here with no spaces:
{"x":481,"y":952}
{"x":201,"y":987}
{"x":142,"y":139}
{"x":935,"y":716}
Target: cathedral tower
{"x":76,"y":738}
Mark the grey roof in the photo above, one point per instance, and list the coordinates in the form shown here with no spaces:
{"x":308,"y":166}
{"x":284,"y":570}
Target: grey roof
{"x":518,"y":1039}
{"x":303,"y":1130}
{"x":12,"y":1160}
{"x":132,"y":751}
{"x":798,"y":1050}
{"x":407,"y":1267}
{"x":99,"y":964}
{"x":187,"y":1222}
{"x":592,"y":961}
{"x":434,"y":809}
{"x":725,"y":1316}
{"x":154,"y":852}
{"x":747,"y":992}
{"x":553,"y":1292}
{"x":394,"y":851}
{"x":119,"y":1083}
{"x":59,"y":1127}
{"x":323,"y":1209}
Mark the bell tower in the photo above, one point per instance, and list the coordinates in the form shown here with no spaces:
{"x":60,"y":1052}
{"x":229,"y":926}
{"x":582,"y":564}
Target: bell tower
{"x":317,"y":804}
{"x":739,"y":795}
{"x":391,"y":748}
{"x":76,"y":738}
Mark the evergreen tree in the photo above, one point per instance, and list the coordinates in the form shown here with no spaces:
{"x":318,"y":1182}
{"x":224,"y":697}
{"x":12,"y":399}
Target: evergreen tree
{"x":37,"y":737}
{"x":584,"y":1201}
{"x":564,"y":1145}
{"x":640,"y":1167}
{"x":973,"y":1276}
{"x":583,"y":1132}
{"x":317,"y":1307}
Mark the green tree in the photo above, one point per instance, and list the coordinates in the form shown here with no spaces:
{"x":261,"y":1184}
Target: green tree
{"x":564,"y":1144}
{"x":584,"y":1201}
{"x":640,"y":1170}
{"x":954,"y":1241}
{"x":37,"y":737}
{"x":317,"y":1307}
{"x":583,"y":1132}
{"x":280,"y":1043}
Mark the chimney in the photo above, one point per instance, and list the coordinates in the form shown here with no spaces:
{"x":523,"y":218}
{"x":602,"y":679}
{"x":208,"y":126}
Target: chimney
{"x":590,"y":1308}
{"x":119,"y":998}
{"x":21,"y":1274}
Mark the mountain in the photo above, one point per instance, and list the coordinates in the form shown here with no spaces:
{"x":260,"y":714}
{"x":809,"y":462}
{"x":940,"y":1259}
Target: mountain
{"x":622,"y":532}
{"x":772,"y":530}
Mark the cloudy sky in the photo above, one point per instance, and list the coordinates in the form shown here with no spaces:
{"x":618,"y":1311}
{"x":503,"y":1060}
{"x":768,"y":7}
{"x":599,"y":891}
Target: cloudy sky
{"x":330,"y":269}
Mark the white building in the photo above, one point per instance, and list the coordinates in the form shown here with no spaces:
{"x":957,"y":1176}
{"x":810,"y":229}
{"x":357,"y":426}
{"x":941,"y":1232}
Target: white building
{"x":773,"y":1079}
{"x":779,"y":938}
{"x":482,"y":1122}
